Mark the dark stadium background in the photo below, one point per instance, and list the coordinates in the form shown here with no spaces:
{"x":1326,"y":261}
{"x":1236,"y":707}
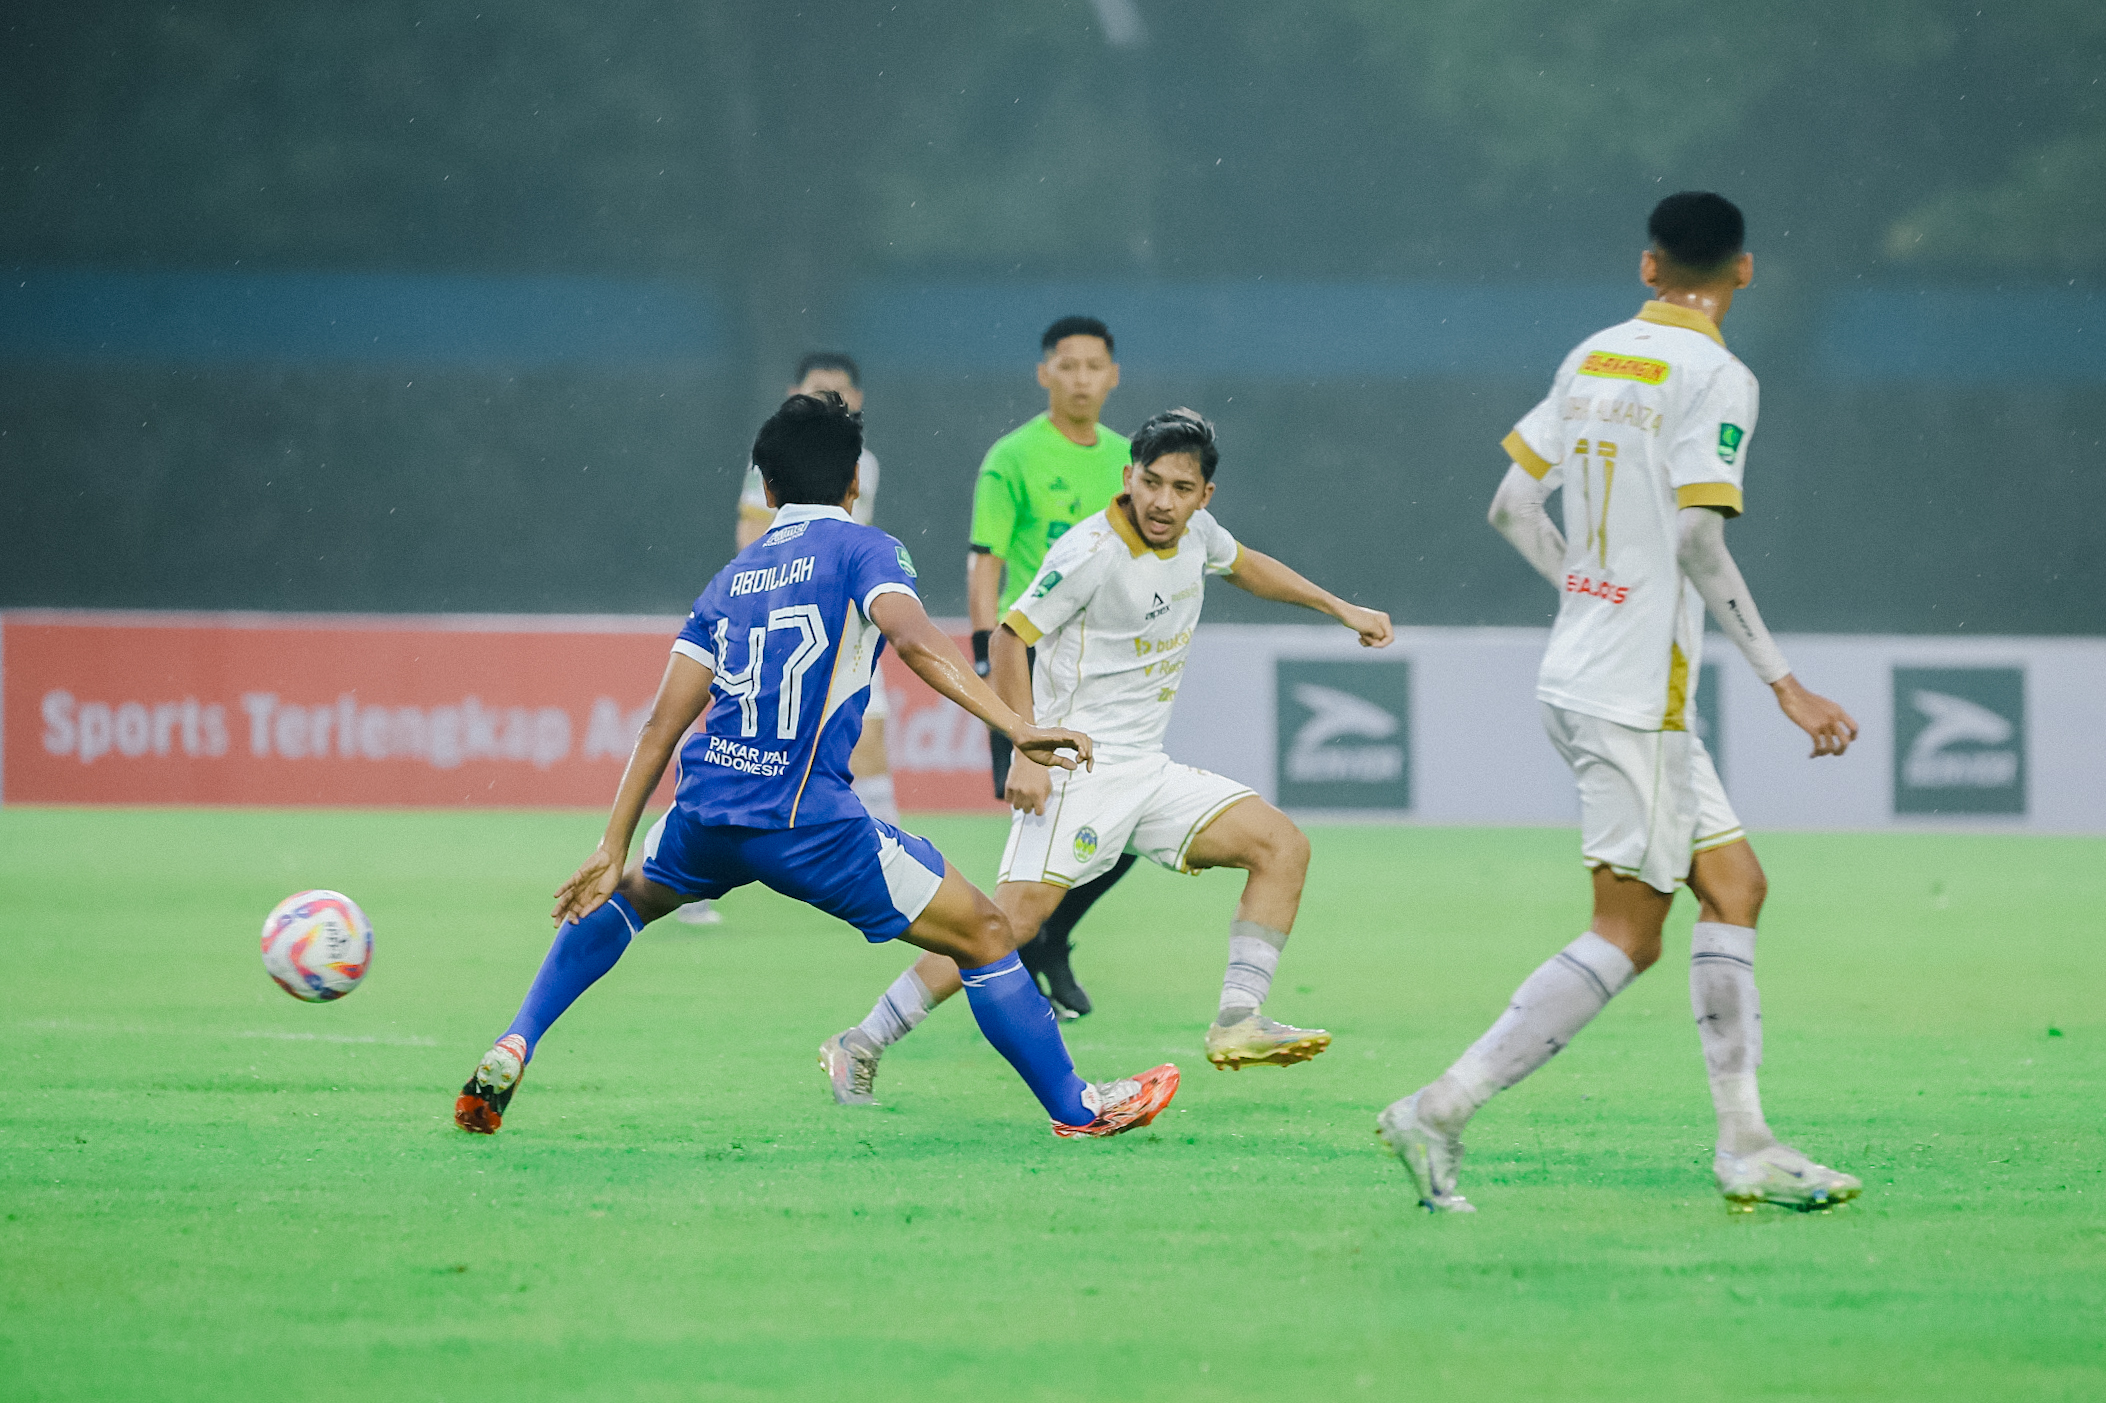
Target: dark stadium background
{"x":438,"y":307}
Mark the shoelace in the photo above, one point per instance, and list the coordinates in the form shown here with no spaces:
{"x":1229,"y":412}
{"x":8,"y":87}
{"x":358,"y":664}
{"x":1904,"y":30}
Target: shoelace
{"x":862,"y":1073}
{"x":1115,"y":1093}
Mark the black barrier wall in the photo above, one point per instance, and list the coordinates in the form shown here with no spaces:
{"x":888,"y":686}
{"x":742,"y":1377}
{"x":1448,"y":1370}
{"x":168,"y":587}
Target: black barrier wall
{"x":1924,"y":509}
{"x":447,"y":308}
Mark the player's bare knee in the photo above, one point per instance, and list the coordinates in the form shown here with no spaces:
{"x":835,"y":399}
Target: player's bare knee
{"x":990,"y":938}
{"x":1277,"y":847}
{"x":1293,"y":845}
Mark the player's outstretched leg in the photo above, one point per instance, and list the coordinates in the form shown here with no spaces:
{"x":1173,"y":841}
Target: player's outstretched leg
{"x":1750,"y":1165}
{"x":1546,"y":1014}
{"x":1047,"y":954}
{"x":582,"y":952}
{"x":962,"y":924}
{"x":850,"y":1057}
{"x":1255,"y":836}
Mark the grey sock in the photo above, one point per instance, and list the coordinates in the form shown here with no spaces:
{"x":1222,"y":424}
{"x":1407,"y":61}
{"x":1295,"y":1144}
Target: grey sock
{"x":897,"y":1014}
{"x":1728,"y":1009}
{"x":1254,"y":956}
{"x":1546,"y":1014}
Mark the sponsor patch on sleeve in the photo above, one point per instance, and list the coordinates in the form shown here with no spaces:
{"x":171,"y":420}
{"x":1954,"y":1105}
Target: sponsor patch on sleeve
{"x":1729,"y":437}
{"x":1046,"y":585}
{"x":1604,"y":365}
{"x":906,"y":561}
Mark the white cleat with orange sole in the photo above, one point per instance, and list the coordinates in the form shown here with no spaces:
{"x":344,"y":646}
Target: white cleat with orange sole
{"x":1123,"y":1105}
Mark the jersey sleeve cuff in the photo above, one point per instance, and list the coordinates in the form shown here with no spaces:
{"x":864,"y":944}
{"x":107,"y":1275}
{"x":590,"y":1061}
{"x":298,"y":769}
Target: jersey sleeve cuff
{"x":1530,"y":461}
{"x":1022,"y":627}
{"x":696,"y":651}
{"x":1723,"y":495}
{"x":889,"y":587}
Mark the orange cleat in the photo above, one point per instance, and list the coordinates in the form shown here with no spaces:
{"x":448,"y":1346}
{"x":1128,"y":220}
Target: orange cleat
{"x":480,"y":1108}
{"x":1127,"y":1104}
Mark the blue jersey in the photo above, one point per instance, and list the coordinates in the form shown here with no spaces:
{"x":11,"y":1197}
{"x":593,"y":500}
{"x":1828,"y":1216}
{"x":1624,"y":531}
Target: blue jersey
{"x":786,"y":629}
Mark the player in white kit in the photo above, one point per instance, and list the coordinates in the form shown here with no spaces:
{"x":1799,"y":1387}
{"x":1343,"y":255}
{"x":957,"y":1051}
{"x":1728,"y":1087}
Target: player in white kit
{"x":1646,"y":430}
{"x":1111,"y":613}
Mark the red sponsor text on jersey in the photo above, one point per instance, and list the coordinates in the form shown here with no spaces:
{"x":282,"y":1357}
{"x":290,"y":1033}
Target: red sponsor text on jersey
{"x":1600,"y":589}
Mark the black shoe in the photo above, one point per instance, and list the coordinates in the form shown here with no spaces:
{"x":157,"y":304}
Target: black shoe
{"x":1046,"y":956}
{"x":1048,"y":963}
{"x":1062,"y":989}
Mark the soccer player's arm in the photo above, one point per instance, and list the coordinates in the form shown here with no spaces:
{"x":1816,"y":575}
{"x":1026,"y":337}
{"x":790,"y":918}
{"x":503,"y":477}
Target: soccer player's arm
{"x":1268,"y":578}
{"x":994,"y":528}
{"x":889,"y":601}
{"x":1518,"y":511}
{"x":755,"y":515}
{"x":1705,"y":464}
{"x":682,"y":694}
{"x":1056,"y":594}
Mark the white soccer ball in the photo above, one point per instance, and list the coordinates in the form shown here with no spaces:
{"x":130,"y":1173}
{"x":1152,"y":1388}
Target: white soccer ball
{"x":317,"y":945}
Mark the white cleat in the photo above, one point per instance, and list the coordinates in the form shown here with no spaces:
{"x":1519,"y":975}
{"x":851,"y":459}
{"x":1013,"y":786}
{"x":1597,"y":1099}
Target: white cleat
{"x":698,"y":913}
{"x":1431,"y":1155}
{"x":1780,"y":1174}
{"x":851,"y":1061}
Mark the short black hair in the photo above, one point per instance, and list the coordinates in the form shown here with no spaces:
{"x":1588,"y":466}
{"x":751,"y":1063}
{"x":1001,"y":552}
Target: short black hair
{"x":1697,"y":231}
{"x":829,"y":360}
{"x":1177,"y":431}
{"x":1075,"y":326}
{"x":807,"y":450}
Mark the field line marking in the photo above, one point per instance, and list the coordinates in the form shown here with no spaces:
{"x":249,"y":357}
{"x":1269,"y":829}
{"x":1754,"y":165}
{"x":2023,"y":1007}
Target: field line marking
{"x":63,"y":1025}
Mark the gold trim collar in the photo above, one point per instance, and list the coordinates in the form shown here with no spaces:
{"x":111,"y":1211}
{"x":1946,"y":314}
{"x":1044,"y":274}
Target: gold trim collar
{"x":1675,"y":314}
{"x":1116,"y":514}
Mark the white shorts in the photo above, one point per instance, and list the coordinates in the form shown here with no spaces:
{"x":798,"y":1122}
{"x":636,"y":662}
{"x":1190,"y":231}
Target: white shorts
{"x":1151,"y":806}
{"x":1649,"y":800}
{"x":879,"y":706}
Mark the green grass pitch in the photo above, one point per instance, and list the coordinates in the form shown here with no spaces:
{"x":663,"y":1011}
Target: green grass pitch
{"x":213,"y":1192}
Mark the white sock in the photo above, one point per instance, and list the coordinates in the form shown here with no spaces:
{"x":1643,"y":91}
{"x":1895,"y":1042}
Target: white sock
{"x":1728,"y":1010}
{"x":1253,"y":958}
{"x":897,"y":1014}
{"x":876,"y":793}
{"x":1547,"y":1012}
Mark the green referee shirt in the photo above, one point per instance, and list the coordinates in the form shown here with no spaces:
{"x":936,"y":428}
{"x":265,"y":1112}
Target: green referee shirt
{"x":1035,"y":484}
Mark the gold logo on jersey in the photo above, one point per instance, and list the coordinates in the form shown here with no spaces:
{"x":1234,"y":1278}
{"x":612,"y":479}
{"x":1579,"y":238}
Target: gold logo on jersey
{"x":1605,"y":366}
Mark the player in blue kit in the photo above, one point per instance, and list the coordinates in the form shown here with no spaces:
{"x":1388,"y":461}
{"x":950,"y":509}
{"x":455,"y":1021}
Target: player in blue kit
{"x":786,"y":637}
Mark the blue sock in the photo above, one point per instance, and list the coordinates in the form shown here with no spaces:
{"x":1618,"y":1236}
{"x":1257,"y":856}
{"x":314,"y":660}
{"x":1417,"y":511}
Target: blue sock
{"x":1016,"y":1018}
{"x":584,"y":950}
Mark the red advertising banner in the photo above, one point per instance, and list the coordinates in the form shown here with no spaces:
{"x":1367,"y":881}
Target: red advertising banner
{"x":500,"y":711}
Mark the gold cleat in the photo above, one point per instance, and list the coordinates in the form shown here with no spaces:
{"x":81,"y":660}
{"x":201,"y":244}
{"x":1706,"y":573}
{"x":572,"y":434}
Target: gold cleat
{"x":1257,"y":1040}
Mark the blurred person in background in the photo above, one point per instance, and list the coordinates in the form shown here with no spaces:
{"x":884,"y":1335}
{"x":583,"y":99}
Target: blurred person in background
{"x":871,"y":766}
{"x":1646,"y":430}
{"x":1035,"y":483}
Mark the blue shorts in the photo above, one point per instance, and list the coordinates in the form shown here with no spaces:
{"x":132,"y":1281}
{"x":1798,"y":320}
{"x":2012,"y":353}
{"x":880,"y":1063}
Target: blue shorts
{"x":862,"y":870}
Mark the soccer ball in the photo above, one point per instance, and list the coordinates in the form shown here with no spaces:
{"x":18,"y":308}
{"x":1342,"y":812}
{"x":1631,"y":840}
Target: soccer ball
{"x":317,"y":945}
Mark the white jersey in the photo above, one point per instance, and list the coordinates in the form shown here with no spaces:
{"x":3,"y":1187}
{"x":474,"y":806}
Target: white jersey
{"x":1112,"y":619}
{"x":753,"y":501}
{"x":1644,"y":419}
